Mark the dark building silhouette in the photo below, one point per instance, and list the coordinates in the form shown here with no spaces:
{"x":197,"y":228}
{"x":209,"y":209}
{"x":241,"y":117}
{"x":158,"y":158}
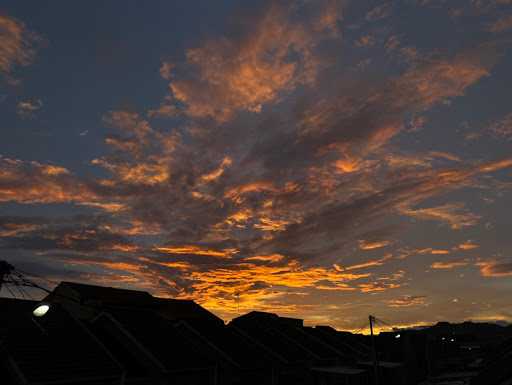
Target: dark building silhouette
{"x":88,"y":301}
{"x":56,"y":349}
{"x":306,"y":359}
{"x":98,"y":335}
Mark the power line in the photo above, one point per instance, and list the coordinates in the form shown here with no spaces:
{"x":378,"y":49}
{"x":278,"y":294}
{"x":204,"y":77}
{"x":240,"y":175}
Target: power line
{"x":37,"y":276}
{"x":10,"y":291}
{"x":19,"y":289}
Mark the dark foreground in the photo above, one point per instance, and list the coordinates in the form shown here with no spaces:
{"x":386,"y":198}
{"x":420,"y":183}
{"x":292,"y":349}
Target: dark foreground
{"x":95,"y":335}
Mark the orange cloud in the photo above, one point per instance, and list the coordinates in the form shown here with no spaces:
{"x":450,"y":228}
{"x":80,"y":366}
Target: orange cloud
{"x":127,"y":248}
{"x":439,"y":252}
{"x":196,"y":250}
{"x":376,"y":287}
{"x":501,"y":25}
{"x":180,"y":265}
{"x":226,"y":162}
{"x":166,"y":110}
{"x":348,"y":165}
{"x":236,"y":193}
{"x":452,"y":213}
{"x":128,"y":122}
{"x":33,"y":182}
{"x":258,"y":284}
{"x":368,"y":245}
{"x":469,"y":245}
{"x":13,"y":228}
{"x":268,"y":224}
{"x":245,"y":73}
{"x":16,"y":45}
{"x":407,"y":301}
{"x":365,"y":41}
{"x":437,"y":80}
{"x":448,"y":265}
{"x":266,"y":258}
{"x":139,"y":173}
{"x":371,"y":263}
{"x":495,"y":268}
{"x":132,"y":273}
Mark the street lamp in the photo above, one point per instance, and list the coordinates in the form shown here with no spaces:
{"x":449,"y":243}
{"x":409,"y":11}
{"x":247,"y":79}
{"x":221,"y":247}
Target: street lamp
{"x":41,"y":309}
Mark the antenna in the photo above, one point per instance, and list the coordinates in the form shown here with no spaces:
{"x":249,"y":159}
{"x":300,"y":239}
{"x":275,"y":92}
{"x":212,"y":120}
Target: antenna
{"x":237,"y":296}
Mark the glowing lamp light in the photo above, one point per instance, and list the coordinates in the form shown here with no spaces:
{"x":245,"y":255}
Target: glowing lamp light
{"x":41,"y":310}
{"x":397,"y":336}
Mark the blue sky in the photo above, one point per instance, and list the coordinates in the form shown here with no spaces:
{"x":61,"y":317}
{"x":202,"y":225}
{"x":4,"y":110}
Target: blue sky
{"x":320,"y":159}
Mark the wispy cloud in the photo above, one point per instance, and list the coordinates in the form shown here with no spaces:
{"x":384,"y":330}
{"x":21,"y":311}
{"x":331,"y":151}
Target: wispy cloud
{"x":18,"y":46}
{"x":502,"y":24}
{"x":245,"y":72}
{"x":502,"y":128}
{"x":448,"y":265}
{"x":495,"y":268}
{"x":454,"y":214}
{"x":407,"y":301}
{"x":28,"y":108}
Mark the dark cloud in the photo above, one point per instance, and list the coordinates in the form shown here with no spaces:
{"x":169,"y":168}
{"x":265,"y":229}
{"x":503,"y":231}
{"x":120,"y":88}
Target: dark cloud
{"x":36,"y":234}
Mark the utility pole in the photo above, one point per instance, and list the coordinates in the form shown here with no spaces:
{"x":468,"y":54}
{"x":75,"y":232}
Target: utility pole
{"x":374,"y":348}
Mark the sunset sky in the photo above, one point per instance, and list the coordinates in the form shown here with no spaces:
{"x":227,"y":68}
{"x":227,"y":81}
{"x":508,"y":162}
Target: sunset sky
{"x":317,"y":159}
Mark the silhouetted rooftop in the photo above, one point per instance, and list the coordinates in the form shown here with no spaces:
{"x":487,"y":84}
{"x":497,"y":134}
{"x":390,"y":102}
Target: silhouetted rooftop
{"x":52,"y":349}
{"x":107,"y":295}
{"x":105,"y":298}
{"x":158,"y":336}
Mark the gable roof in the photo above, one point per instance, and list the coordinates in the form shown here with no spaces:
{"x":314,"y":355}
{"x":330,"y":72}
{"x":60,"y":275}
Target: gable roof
{"x":183,"y":309}
{"x":258,"y":317}
{"x":107,"y":295}
{"x":106,"y":298}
